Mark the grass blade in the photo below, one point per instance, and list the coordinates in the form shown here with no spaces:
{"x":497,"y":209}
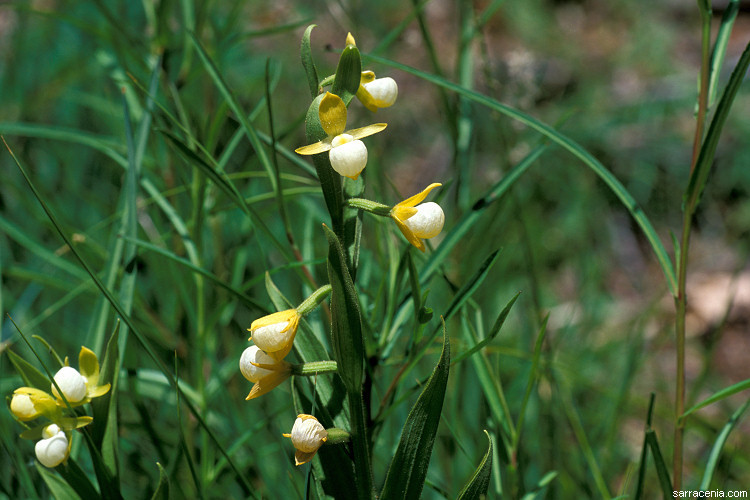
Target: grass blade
{"x":568,"y":144}
{"x":718,"y":396}
{"x":713,"y":457}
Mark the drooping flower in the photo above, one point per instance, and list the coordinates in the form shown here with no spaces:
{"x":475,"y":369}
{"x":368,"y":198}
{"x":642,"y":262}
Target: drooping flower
{"x":260,"y":368}
{"x":347,"y":154}
{"x":29,"y":403}
{"x":274,"y":333}
{"x":54,"y":448}
{"x":71,"y":383}
{"x":307,"y":436}
{"x":80,"y":387}
{"x":418,"y":220}
{"x":375,"y":93}
{"x":23,"y":408}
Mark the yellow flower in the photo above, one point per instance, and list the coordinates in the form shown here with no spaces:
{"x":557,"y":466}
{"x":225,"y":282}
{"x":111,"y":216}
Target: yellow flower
{"x":375,"y":93}
{"x":307,"y":436}
{"x":263,"y":370}
{"x":275,"y":333}
{"x":419,"y":221}
{"x":54,"y":448}
{"x":80,"y":387}
{"x":29,"y":403}
{"x":347,"y":154}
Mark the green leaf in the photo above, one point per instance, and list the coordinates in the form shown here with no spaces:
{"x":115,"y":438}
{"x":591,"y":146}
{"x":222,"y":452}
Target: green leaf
{"x":280,"y":302}
{"x":720,"y":48}
{"x":308,"y":63}
{"x":718,"y":396}
{"x":348,"y":74}
{"x":699,"y":175}
{"x":105,"y":432}
{"x":408,"y":469}
{"x":713,"y":457}
{"x":499,"y":322}
{"x":346,"y":324}
{"x":477,"y":486}
{"x":58,"y":487}
{"x":30,"y":375}
{"x":662,"y":472}
{"x":162,"y":489}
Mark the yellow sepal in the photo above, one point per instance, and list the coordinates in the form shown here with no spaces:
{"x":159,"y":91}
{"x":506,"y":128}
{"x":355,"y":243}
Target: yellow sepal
{"x":359,"y":133}
{"x":318,"y":147}
{"x":267,"y":383}
{"x":272,"y":319}
{"x":332,"y":114}
{"x":88,"y":365}
{"x":419,"y":197}
{"x":409,"y":235}
{"x":301,"y":458}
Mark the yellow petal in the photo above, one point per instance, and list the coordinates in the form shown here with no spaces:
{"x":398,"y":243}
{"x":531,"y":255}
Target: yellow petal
{"x":99,"y":390}
{"x":359,"y":133}
{"x":332,"y":113}
{"x":350,"y":40}
{"x":318,"y":147}
{"x":417,"y":198}
{"x":409,"y":235}
{"x":267,"y":383}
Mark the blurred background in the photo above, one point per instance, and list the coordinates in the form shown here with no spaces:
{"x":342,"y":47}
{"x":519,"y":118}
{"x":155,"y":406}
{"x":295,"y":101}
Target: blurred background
{"x":618,"y":77}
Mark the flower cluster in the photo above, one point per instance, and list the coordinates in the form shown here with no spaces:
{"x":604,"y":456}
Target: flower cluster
{"x":273,"y":335}
{"x":70,"y":388}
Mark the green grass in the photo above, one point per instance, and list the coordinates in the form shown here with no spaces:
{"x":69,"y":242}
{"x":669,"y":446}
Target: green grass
{"x":150,"y":187}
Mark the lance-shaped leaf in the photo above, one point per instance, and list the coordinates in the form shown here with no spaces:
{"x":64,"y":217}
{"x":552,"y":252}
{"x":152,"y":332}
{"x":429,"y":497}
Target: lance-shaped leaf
{"x":30,"y":375}
{"x":408,"y":469}
{"x":480,"y":480}
{"x":346,"y":325}
{"x":308,"y":63}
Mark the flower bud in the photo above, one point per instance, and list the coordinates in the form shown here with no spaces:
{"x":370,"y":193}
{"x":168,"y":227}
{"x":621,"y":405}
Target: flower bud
{"x":383,"y":90}
{"x":52,"y":450}
{"x":428,"y":221}
{"x":307,"y":436}
{"x":251,"y":355}
{"x":348,"y":156}
{"x":72,"y":384}
{"x":23,"y":408}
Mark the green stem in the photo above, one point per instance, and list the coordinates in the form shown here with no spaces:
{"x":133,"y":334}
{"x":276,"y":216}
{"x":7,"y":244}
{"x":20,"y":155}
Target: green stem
{"x":372,"y":207}
{"x":361,"y":447}
{"x":311,"y":302}
{"x":314,"y":368}
{"x":681,"y":295}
